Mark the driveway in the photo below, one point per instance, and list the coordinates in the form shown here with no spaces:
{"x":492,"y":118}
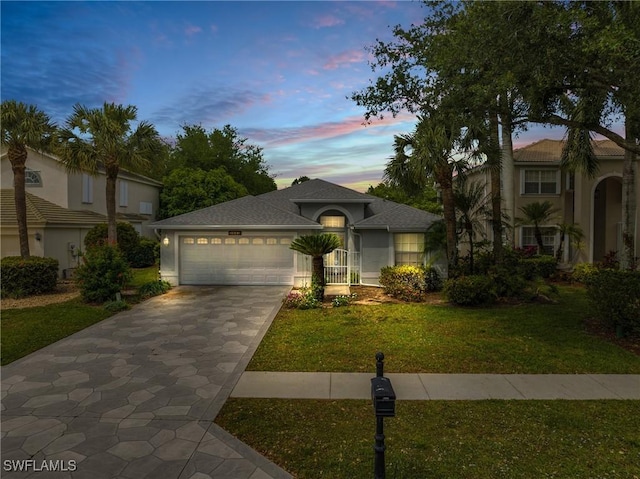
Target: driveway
{"x":135,"y":396}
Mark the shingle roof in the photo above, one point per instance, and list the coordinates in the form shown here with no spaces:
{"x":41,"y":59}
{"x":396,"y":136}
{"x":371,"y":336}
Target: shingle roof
{"x":246,"y":211}
{"x":279,"y":209}
{"x":43,"y":212}
{"x":550,"y":151}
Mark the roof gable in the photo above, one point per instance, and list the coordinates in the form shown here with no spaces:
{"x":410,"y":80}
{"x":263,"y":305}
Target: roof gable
{"x":550,"y":151}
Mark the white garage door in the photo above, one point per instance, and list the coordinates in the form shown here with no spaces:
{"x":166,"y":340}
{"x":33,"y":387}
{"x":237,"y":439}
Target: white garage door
{"x":223,"y":259}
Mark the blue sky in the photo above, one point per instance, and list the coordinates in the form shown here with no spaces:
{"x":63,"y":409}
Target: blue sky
{"x":279,"y":72}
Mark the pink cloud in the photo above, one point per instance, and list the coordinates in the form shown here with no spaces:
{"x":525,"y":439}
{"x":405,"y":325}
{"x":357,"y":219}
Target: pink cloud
{"x":326,"y":21}
{"x":344,"y":58}
{"x":192,"y":30}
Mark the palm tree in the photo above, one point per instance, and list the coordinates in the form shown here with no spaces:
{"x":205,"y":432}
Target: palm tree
{"x":103,"y":138}
{"x":470,"y":201}
{"x":575,"y":234}
{"x":316,"y":246}
{"x":426,"y":153}
{"x":23,"y":126}
{"x":538,"y":214}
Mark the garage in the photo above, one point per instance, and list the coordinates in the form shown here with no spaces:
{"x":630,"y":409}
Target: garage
{"x":236,"y":259}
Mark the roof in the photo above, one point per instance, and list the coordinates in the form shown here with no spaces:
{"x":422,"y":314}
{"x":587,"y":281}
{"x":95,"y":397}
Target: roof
{"x":279,"y":209}
{"x":550,"y":151}
{"x":42,"y":212}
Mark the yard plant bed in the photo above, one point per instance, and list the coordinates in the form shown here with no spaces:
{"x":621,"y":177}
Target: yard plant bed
{"x":440,"y":439}
{"x":439,"y":338}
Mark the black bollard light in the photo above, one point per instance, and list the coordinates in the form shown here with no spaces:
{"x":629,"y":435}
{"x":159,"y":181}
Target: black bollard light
{"x":384,"y":405}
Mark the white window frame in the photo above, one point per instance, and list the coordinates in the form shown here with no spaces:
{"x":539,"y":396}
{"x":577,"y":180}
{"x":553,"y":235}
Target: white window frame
{"x":408,"y":249}
{"x":333,"y":221}
{"x":146,"y":208}
{"x":545,"y":237}
{"x":523,"y":182}
{"x":87,"y":188}
{"x":124,"y":193}
{"x":32,"y":178}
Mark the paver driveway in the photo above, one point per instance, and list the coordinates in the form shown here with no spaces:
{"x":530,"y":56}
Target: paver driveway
{"x":135,"y":395}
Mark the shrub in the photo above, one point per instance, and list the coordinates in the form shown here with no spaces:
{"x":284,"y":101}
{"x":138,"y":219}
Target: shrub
{"x":432,"y":279}
{"x":144,"y":254}
{"x":615,"y":298}
{"x":582,"y":272}
{"x":29,"y":276}
{"x":343,"y":300}
{"x":469,"y":290}
{"x":128,"y":239}
{"x":403,"y":282}
{"x":104,"y":272}
{"x":304,"y":298}
{"x":154,"y":288}
{"x":507,"y":283}
{"x":116,"y":306}
{"x":542,"y":266}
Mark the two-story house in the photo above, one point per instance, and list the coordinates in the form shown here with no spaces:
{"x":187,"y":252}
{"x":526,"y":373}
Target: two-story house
{"x":594,"y":204}
{"x":62,"y":206}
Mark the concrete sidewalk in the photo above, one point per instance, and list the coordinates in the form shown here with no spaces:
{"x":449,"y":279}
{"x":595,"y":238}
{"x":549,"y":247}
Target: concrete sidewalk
{"x":293,"y":385}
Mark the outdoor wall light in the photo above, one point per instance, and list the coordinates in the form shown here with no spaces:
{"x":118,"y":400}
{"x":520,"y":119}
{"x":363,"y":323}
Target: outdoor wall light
{"x":38,"y":236}
{"x":165,"y":241}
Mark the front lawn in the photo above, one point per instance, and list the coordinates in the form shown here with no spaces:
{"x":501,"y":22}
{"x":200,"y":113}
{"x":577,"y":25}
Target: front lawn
{"x":522,"y":338}
{"x":444,"y":439}
{"x":26,"y":330}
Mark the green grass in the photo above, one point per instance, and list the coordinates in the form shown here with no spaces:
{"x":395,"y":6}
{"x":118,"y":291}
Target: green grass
{"x":440,"y":439}
{"x":523,"y":338}
{"x":28,"y":329}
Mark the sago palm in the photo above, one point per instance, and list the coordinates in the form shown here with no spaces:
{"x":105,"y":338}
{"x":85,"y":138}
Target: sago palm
{"x":96,"y":138}
{"x":316,"y":246}
{"x":23,"y":126}
{"x":538,"y":214}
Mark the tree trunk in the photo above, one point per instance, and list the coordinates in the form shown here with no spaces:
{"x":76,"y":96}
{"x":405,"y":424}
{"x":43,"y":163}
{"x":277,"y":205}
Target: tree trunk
{"x":494,"y":161}
{"x":317,"y":276}
{"x":537,"y":232}
{"x":508,"y":175}
{"x":443,"y":177}
{"x":18,"y":159}
{"x":112,"y":230}
{"x":629,"y":207}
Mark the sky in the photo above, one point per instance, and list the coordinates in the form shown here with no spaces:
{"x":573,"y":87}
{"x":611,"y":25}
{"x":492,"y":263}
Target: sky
{"x":281,"y":73}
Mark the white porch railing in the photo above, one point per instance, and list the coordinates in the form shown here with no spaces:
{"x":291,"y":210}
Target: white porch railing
{"x":342,"y":267}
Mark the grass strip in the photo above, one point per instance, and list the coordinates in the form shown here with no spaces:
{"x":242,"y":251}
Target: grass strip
{"x":444,"y":439}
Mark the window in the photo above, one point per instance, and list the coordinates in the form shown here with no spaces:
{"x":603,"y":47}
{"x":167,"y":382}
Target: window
{"x":540,"y":182}
{"x":409,"y":248}
{"x":216,"y":240}
{"x":87,"y":188}
{"x":243,"y":240}
{"x":188,"y":241}
{"x":549,"y":236}
{"x":272,"y":240}
{"x":332,"y":221}
{"x":202,"y":241}
{"x":146,"y":208}
{"x":285,"y":240}
{"x":258,"y":241}
{"x":229,"y":241}
{"x":32,"y":178}
{"x":124,"y":193}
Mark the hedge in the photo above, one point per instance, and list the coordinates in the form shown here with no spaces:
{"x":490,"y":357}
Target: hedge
{"x":25,"y":277}
{"x":614,"y":296}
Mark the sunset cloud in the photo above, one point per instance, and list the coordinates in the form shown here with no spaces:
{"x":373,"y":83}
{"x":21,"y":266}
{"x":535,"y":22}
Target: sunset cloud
{"x":326,"y":21}
{"x":345,"y":58}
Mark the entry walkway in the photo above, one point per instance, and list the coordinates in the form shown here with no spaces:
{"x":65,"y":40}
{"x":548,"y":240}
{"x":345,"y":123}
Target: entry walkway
{"x":258,"y":384}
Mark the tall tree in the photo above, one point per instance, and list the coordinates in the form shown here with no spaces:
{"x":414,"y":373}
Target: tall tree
{"x":104,"y":138}
{"x":223,"y":148}
{"x":23,"y":126}
{"x":431,"y":151}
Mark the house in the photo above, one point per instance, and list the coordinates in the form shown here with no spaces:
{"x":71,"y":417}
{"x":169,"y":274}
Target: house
{"x":62,"y":206}
{"x":594,"y":204}
{"x":247,"y":240}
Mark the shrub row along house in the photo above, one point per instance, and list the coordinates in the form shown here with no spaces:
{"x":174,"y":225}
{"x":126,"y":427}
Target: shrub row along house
{"x":594,"y":204}
{"x":62,"y":207}
{"x":246,"y":241}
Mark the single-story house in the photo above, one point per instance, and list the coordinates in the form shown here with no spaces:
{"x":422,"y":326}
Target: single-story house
{"x":247,"y":240}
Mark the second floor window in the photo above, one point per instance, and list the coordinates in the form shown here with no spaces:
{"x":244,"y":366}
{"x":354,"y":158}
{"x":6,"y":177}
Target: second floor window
{"x":540,"y":182}
{"x":124,"y":193}
{"x":87,"y":188}
{"x":32,"y":178}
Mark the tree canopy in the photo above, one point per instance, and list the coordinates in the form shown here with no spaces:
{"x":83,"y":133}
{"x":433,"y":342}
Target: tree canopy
{"x":197,"y":148}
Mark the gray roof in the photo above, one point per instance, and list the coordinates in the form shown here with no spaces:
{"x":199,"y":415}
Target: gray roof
{"x":279,"y":209}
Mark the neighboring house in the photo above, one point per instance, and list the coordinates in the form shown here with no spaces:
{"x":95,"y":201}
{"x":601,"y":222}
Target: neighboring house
{"x":246,"y":241}
{"x":81,"y":196}
{"x":595,"y":204}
